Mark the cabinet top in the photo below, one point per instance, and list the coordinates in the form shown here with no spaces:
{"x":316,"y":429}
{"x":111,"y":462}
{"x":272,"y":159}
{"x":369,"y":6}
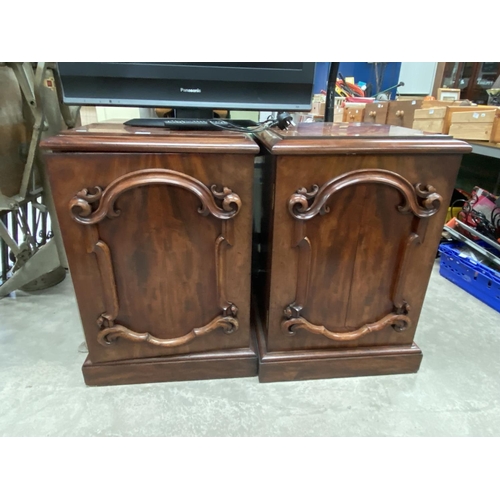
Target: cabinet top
{"x":116,"y":137}
{"x":360,"y":138}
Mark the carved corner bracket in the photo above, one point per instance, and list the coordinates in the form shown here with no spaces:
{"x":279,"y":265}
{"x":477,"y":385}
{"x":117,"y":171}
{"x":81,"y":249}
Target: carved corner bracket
{"x":91,"y":206}
{"x":419,"y":200}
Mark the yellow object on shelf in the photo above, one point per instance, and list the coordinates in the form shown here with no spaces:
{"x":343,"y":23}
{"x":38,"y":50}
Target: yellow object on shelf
{"x":452,"y":212}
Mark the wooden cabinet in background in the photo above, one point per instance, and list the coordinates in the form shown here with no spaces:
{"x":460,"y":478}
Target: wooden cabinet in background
{"x":472,"y":78}
{"x":157,"y":230}
{"x":355,"y":218}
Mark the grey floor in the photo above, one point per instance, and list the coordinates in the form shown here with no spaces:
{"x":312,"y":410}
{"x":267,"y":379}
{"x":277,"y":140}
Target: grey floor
{"x":455,"y":393}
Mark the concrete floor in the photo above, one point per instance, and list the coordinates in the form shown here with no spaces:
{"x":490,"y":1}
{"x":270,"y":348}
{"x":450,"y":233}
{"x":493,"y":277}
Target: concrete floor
{"x":456,"y":392}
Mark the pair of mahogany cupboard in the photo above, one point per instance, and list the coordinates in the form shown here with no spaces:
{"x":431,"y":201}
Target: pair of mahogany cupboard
{"x":173,"y":282}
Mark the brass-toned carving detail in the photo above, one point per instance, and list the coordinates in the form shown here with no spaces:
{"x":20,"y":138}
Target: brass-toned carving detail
{"x":82,"y":207}
{"x":421,"y":201}
{"x":81,"y":204}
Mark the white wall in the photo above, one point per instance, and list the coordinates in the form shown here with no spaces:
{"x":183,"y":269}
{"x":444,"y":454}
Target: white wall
{"x":105,"y":113}
{"x":94,"y":114}
{"x":418,"y":77}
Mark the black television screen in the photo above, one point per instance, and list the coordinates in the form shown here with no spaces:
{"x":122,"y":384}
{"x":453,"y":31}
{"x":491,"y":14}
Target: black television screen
{"x":273,"y":86}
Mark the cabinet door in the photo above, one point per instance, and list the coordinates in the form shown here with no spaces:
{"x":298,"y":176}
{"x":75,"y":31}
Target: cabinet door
{"x":354,"y":243}
{"x":159,"y":250}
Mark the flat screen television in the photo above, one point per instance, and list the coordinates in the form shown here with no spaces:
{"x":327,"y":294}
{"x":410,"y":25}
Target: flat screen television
{"x":263,"y":86}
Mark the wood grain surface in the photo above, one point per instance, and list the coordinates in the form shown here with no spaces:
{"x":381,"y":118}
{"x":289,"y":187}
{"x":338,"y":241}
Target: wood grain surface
{"x":353,"y":235}
{"x":159,"y":249}
{"x":112,"y":137}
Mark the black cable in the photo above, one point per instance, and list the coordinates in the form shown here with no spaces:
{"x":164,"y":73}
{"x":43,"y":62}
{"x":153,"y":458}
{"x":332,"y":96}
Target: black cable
{"x":452,"y":206}
{"x":283,"y":120}
{"x":469,"y":204}
{"x":236,"y":128}
{"x":495,"y":217}
{"x":478,"y":220}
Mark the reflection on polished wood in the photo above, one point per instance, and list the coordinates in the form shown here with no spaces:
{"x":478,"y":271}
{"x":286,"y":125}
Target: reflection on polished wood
{"x":106,"y":198}
{"x":421,"y":202}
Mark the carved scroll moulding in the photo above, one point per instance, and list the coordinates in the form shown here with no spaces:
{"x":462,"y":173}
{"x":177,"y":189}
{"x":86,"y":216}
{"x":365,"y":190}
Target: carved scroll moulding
{"x":82,"y":204}
{"x":419,"y":200}
{"x":422,"y":201}
{"x":91,"y":206}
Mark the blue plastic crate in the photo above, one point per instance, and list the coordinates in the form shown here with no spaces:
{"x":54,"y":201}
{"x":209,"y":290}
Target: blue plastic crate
{"x":476,"y":278}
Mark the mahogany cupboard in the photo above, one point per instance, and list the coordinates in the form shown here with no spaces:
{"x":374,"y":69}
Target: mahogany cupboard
{"x":353,"y":215}
{"x":157,"y":230}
